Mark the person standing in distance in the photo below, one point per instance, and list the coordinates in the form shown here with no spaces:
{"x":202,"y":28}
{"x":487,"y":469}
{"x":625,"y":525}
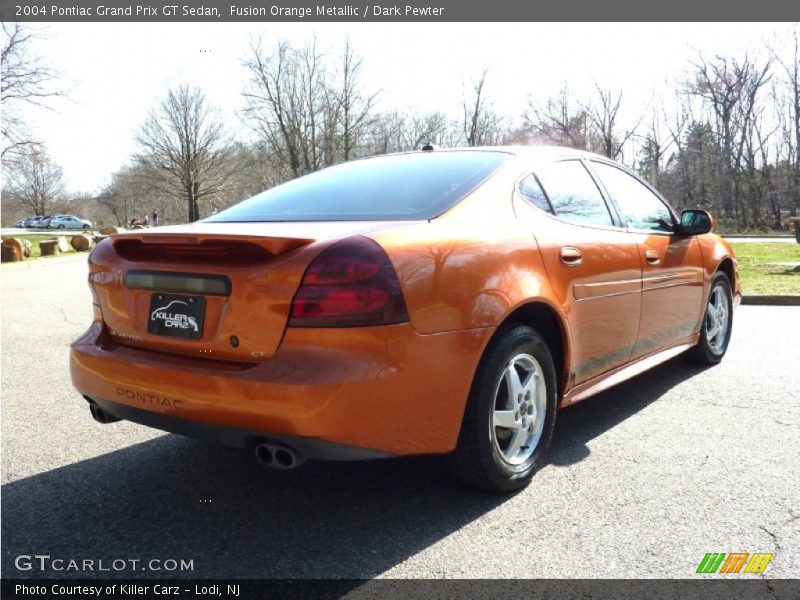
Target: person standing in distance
{"x":155,"y":217}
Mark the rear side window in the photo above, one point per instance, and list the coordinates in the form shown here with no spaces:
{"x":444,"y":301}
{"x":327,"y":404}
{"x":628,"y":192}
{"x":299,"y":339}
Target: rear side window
{"x":640,"y":207}
{"x":530,"y":189}
{"x":573,"y":193}
{"x":385,"y":188}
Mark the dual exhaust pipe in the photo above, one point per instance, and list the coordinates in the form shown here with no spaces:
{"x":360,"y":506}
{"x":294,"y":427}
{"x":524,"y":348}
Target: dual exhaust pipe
{"x":277,"y":457}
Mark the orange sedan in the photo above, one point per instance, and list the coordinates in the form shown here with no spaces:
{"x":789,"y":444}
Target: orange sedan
{"x":438,"y":302}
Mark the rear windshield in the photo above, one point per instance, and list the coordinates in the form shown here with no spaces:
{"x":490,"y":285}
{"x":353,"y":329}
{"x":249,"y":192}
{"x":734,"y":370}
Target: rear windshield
{"x":385,"y":188}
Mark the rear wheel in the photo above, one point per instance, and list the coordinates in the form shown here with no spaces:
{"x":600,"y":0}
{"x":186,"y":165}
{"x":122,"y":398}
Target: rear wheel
{"x":717,"y":323}
{"x":510,"y":415}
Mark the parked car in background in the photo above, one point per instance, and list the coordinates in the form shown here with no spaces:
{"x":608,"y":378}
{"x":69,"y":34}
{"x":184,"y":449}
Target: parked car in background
{"x":37,"y":222}
{"x":443,"y":302}
{"x":68,"y":222}
{"x":45,"y":223}
{"x":20,"y":223}
{"x":29,"y":221}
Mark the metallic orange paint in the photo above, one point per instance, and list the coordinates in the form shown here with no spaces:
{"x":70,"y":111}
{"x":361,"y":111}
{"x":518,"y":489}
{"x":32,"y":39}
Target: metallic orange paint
{"x":356,"y":387}
{"x":624,"y":300}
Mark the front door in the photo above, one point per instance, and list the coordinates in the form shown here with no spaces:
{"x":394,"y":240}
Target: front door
{"x":672,"y":274}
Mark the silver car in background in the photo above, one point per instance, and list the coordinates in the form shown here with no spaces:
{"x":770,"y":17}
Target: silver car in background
{"x":69,"y":222}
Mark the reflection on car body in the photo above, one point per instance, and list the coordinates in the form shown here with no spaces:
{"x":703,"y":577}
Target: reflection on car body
{"x":442,"y":302}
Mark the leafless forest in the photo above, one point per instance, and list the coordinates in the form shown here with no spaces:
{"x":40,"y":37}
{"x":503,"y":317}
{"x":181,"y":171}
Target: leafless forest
{"x":726,"y":140}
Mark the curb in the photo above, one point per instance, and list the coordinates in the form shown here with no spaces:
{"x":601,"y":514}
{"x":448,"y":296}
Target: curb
{"x":42,"y":262}
{"x":759,"y":300}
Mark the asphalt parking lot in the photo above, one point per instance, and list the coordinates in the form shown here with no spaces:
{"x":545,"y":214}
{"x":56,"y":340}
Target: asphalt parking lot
{"x":643,"y":481}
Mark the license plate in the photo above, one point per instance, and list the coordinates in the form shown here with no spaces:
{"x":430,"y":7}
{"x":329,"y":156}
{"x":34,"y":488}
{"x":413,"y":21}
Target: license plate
{"x":176,"y":316}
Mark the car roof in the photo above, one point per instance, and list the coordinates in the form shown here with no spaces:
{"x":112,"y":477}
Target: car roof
{"x":543,"y":151}
{"x":536,"y":152}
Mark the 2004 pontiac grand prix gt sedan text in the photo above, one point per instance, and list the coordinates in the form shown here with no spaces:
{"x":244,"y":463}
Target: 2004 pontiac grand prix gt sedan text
{"x":439,"y":302}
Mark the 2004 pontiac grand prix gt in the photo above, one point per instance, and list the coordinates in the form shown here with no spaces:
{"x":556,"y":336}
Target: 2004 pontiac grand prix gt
{"x":435,"y":302}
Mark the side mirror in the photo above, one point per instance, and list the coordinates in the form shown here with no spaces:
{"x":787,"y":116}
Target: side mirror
{"x":696,"y":222}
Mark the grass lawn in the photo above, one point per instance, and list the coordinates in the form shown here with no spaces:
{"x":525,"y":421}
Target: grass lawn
{"x":768,"y":269}
{"x":35,"y":238}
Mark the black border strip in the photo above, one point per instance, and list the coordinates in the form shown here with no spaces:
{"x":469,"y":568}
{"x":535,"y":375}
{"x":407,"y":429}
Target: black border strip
{"x":743,"y":588}
{"x":417,"y":11}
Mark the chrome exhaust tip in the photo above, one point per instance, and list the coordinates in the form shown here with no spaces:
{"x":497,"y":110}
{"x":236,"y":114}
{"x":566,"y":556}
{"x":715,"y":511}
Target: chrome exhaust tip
{"x":277,"y":457}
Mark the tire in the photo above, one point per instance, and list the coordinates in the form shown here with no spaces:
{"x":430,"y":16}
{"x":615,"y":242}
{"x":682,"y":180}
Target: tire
{"x":86,"y":227}
{"x":485,"y":456}
{"x":62,"y":226}
{"x":712,"y":345}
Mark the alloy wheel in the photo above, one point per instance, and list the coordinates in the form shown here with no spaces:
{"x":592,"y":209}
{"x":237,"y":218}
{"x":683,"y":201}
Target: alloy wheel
{"x":717,"y":319}
{"x":519,"y":409}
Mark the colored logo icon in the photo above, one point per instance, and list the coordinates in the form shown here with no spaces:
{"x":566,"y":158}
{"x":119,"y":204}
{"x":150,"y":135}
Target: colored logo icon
{"x":735,"y":562}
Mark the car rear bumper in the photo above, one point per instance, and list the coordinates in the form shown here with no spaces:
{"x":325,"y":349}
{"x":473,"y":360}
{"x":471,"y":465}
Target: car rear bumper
{"x":309,"y":448}
{"x":337,"y":394}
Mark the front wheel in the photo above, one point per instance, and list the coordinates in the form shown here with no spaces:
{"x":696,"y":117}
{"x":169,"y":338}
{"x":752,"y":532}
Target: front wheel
{"x":717,"y":323}
{"x":510,"y":414}
{"x":62,"y":226}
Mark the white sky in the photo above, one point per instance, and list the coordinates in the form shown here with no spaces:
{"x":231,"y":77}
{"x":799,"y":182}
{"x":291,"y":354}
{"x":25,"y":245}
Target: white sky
{"x":114,"y":73}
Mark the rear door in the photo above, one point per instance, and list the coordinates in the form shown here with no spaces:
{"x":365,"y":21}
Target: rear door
{"x":672,"y":274}
{"x":593,"y":266}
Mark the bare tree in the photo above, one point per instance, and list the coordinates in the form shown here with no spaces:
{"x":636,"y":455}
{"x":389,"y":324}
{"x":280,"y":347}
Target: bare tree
{"x":559,"y":121}
{"x":353,"y":106}
{"x":719,"y":85}
{"x":790,"y":81}
{"x":388,"y":133}
{"x":729,"y":87}
{"x":286,"y":105}
{"x":401,"y":132}
{"x":604,"y":120}
{"x":36,"y":182}
{"x":783,"y":155}
{"x":655,"y":147}
{"x":128,"y":195}
{"x":183,"y":147}
{"x":306,"y":113}
{"x":751,"y":174}
{"x":482,"y":125}
{"x":690,"y":175}
{"x":755,"y":169}
{"x":25,"y":80}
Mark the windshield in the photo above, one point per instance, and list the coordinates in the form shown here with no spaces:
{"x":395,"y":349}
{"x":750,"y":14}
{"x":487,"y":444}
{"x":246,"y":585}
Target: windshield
{"x":386,"y":188}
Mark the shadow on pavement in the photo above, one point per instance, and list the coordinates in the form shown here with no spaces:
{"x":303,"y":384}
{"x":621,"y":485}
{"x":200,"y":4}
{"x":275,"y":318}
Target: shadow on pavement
{"x":577,"y":425}
{"x":173,"y":497}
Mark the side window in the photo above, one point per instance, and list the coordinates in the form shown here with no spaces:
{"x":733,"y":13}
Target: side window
{"x":640,"y":207}
{"x":573,"y":193}
{"x":530,"y":189}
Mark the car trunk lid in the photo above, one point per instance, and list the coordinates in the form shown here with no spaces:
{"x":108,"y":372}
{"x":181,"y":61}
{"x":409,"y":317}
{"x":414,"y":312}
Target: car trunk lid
{"x":209,"y":290}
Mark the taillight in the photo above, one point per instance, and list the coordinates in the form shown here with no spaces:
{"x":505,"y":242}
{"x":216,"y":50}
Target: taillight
{"x":350,"y":284}
{"x":97,"y":311}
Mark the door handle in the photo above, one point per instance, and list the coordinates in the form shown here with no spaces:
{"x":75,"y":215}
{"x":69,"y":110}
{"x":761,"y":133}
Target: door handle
{"x":652,"y":257}
{"x":571,"y":256}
